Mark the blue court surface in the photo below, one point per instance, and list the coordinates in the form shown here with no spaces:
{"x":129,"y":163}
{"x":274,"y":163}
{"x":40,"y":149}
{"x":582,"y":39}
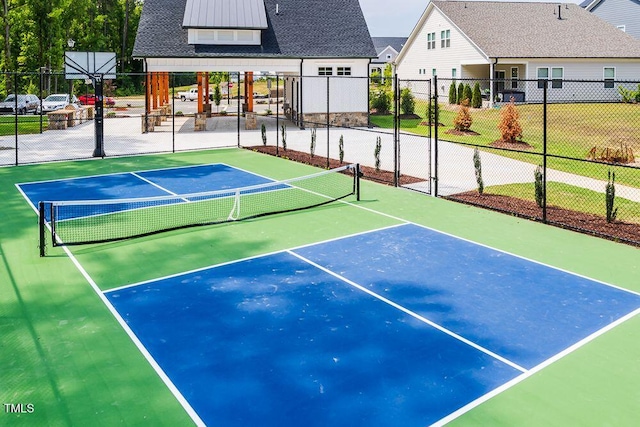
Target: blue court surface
{"x":131,"y":185}
{"x":397,"y":327}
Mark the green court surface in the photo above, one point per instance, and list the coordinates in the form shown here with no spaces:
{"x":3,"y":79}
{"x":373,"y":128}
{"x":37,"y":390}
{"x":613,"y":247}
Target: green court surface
{"x":67,"y":360}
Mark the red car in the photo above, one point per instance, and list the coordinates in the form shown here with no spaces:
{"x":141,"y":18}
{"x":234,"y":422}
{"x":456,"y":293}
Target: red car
{"x":90,"y":99}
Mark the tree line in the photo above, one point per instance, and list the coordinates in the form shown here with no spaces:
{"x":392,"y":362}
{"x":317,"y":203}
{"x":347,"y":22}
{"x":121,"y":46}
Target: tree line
{"x":36,"y":33}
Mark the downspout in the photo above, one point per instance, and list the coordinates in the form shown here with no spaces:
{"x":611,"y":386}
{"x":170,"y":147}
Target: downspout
{"x":146,"y":97}
{"x":492,"y":83}
{"x":300,"y":113}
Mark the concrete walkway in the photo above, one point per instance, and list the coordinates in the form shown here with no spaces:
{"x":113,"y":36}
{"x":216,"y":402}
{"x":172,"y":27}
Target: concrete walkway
{"x":123,"y":136}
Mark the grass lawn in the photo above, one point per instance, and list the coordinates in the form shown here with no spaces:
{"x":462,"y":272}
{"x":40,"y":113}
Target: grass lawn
{"x":26,"y":124}
{"x":573,"y":129}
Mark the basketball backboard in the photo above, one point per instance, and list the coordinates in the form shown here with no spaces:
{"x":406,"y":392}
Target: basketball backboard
{"x":84,"y":65}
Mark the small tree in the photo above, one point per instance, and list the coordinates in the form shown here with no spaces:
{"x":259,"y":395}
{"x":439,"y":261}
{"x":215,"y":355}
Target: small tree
{"x":312,"y":148}
{"x":610,"y":197}
{"x":407,"y":101}
{"x":341,"y":149}
{"x":283,"y":130}
{"x":387,"y":75}
{"x":376,"y":152}
{"x":509,"y":125}
{"x":263,"y":131}
{"x":462,"y":122}
{"x":467,"y":94}
{"x":217,"y":96}
{"x":453,"y":95}
{"x":539,"y":186}
{"x":478,"y":167}
{"x":460,"y":97}
{"x":476,"y":97}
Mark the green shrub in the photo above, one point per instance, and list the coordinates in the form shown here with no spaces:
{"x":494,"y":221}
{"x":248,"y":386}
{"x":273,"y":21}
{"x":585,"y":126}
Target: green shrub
{"x":476,"y":97}
{"x":453,"y":95}
{"x":283,"y":130}
{"x":376,"y":152}
{"x":463,"y":120}
{"x":312,"y":148}
{"x":432,"y":107}
{"x":539,"y":186}
{"x":263,"y":131}
{"x":381,"y":101}
{"x":467,"y":94}
{"x":610,"y":197}
{"x":217,"y":96}
{"x":341,"y":148}
{"x":478,"y":167}
{"x":407,"y":101}
{"x":460,"y":96}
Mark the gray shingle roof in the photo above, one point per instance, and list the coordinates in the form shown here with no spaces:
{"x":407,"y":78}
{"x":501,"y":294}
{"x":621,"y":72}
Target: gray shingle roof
{"x":302,"y":29}
{"x":533,"y":30}
{"x":225,"y":14}
{"x":381,"y":43}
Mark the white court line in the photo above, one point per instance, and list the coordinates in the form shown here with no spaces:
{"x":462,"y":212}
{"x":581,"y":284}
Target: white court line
{"x":159,"y":186}
{"x":163,"y":376}
{"x":532,"y":371}
{"x":412,"y":314}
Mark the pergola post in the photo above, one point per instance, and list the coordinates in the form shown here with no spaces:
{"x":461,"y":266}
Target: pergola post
{"x":199,"y":78}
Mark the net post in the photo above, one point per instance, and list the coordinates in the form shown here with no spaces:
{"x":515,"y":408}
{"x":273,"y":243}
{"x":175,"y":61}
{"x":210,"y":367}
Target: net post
{"x":357,"y":181}
{"x":41,"y":222}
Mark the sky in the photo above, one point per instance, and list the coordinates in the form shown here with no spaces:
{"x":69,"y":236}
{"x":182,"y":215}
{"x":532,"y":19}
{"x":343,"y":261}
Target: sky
{"x":397,"y":18}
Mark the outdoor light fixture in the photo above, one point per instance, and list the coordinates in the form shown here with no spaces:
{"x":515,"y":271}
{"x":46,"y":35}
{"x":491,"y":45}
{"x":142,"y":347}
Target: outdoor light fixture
{"x":71,"y":43}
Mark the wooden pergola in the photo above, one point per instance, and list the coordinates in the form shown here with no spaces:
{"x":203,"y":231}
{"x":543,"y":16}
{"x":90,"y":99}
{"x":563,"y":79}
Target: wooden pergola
{"x":158,"y":91}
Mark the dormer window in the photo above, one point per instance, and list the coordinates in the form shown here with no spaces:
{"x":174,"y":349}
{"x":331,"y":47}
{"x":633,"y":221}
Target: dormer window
{"x":225,"y":22}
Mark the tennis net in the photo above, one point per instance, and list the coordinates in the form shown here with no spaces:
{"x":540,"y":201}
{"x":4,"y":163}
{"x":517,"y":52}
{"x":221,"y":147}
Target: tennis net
{"x":97,"y":221}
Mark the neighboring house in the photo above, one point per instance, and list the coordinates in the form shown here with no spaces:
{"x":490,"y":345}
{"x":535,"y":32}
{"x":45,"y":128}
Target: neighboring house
{"x":622,"y":14}
{"x":511,"y":41}
{"x":291,"y":37}
{"x":387,"y":49}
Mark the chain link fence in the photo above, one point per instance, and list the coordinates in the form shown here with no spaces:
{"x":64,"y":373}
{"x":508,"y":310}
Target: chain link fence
{"x":558,"y":151}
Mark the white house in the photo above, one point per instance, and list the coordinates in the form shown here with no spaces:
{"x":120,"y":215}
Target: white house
{"x":513,"y":41}
{"x":304,"y":42}
{"x":387,"y":49}
{"x":623,"y":14}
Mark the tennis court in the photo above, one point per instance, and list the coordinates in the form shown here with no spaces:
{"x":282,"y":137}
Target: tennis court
{"x":393,"y":310}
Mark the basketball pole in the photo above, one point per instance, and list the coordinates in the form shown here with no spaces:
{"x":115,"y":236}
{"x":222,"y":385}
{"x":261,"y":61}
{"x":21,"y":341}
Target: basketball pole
{"x":99,"y":117}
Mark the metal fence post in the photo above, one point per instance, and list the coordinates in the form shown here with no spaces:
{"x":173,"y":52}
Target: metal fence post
{"x":173,"y":111}
{"x":544,"y":151}
{"x":328,"y":109}
{"x":436,"y":119}
{"x":15,"y":110}
{"x":396,"y":131}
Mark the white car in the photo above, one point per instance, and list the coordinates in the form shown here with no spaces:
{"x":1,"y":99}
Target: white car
{"x":57,"y":101}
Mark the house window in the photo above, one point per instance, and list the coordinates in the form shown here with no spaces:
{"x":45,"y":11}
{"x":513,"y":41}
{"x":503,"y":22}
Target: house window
{"x":343,"y":71}
{"x":514,"y":77}
{"x":609,"y":77}
{"x":500,"y":76}
{"x":433,"y":72}
{"x":325,"y":71}
{"x":388,"y":56}
{"x":543,"y":74}
{"x":454,"y":73}
{"x":445,"y":38}
{"x":431,"y":41}
{"x":557,"y":74}
{"x":623,"y":28}
{"x":419,"y":70}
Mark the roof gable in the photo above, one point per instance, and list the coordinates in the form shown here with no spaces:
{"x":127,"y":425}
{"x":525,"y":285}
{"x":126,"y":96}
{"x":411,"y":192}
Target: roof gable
{"x":534,"y":30}
{"x":300,"y":29}
{"x":381,"y":43}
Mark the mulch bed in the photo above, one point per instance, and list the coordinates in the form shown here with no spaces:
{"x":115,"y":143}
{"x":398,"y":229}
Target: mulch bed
{"x":566,"y":218}
{"x":368,"y":172}
{"x":462,"y":132}
{"x":518,"y":146}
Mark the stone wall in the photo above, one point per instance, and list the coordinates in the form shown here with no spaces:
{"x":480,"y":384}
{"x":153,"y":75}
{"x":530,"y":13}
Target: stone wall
{"x":336,"y":119}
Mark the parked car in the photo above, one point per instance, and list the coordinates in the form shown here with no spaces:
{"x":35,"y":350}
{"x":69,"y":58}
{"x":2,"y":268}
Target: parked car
{"x":57,"y":101}
{"x":26,"y":104}
{"x":90,"y":99}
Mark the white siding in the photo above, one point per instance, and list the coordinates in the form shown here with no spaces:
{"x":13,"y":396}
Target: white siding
{"x":418,"y":57}
{"x":583,"y":69}
{"x":347,"y":94}
{"x":620,"y":12}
